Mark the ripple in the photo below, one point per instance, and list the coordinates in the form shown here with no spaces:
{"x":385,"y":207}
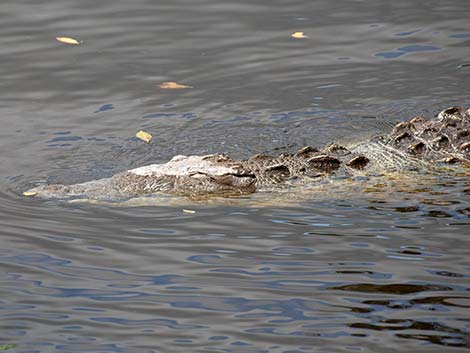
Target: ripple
{"x":379,"y":268}
{"x":398,"y":288}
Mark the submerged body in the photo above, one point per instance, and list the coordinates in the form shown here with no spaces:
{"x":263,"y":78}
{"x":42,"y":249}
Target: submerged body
{"x":414,"y":144}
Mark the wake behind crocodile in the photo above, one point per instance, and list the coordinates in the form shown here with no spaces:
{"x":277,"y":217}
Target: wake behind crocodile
{"x":415,"y":150}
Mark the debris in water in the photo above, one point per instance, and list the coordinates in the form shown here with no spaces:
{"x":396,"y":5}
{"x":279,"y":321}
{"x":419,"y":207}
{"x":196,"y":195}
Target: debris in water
{"x":68,"y":40}
{"x":144,"y":136}
{"x":298,"y":35}
{"x":172,"y":85}
{"x":30,"y":193}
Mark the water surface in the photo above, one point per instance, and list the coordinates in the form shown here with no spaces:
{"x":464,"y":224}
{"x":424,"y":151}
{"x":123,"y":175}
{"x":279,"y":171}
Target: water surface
{"x":371,"y":268}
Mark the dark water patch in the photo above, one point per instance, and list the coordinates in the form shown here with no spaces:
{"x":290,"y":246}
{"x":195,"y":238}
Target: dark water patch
{"x":442,"y":334}
{"x":63,"y":139}
{"x":438,"y":214}
{"x":464,"y":211}
{"x":449,"y":341}
{"x":398,"y":288}
{"x":406,"y":209}
{"x":170,"y":115}
{"x":411,"y":253}
{"x":105,"y":107}
{"x":460,"y":36}
{"x":416,"y":48}
{"x":448,"y":274}
{"x":407,"y":33}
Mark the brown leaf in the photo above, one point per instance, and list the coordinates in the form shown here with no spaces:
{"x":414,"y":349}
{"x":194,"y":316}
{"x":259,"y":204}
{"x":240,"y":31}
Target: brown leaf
{"x":68,"y":40}
{"x":298,"y":35}
{"x":144,"y":136}
{"x":172,"y":85}
{"x":30,"y":193}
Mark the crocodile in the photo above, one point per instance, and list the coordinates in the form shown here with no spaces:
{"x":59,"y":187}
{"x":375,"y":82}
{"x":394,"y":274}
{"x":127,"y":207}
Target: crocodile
{"x":417,"y":144}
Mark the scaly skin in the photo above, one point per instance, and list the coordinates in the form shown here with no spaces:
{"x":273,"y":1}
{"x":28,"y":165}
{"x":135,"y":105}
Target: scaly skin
{"x":413,"y":143}
{"x":446,"y":139}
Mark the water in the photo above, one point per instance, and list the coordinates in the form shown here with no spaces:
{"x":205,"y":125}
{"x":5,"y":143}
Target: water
{"x":364,"y":268}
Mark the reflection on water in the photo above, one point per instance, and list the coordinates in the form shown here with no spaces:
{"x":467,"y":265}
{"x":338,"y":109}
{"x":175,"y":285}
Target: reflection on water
{"x":370,"y":266}
{"x":345,"y":273}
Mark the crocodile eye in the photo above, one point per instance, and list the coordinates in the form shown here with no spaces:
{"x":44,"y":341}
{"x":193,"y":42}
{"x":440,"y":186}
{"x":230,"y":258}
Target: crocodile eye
{"x":359,"y":162}
{"x":324,"y":163}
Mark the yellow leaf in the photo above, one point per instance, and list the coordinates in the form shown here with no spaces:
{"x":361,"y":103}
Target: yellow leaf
{"x":172,"y":85}
{"x":30,"y":193}
{"x":298,"y":35}
{"x":188,"y":211}
{"x":68,"y":40}
{"x":144,"y":136}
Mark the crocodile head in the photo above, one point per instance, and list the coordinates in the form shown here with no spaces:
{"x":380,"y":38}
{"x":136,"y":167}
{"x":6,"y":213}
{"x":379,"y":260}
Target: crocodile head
{"x":190,"y":176}
{"x":210,"y":175}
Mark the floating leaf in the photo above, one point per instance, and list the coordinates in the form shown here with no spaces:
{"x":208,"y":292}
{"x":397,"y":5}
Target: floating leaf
{"x":68,"y":40}
{"x":30,"y":193}
{"x":4,"y":347}
{"x":298,"y":35}
{"x":144,"y":136}
{"x":188,"y":211}
{"x":172,"y":85}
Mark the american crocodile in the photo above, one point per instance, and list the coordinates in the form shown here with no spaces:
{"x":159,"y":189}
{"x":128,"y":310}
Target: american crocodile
{"x":417,"y":144}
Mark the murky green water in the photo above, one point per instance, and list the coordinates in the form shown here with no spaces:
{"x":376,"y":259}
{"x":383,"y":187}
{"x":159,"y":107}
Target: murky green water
{"x":382,"y":268}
